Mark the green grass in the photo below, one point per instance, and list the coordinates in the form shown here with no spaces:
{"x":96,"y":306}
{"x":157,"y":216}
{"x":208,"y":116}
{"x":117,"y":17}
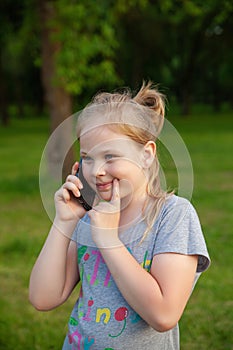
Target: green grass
{"x":207,"y":321}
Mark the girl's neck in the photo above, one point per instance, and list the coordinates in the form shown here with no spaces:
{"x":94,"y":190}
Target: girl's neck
{"x":132,"y":210}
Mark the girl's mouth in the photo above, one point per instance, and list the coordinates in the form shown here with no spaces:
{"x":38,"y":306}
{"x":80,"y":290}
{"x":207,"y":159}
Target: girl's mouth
{"x":104,"y":186}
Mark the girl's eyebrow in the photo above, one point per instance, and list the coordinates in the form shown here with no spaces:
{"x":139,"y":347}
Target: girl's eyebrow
{"x":109,"y":150}
{"x":104,"y":151}
{"x":83,"y":153}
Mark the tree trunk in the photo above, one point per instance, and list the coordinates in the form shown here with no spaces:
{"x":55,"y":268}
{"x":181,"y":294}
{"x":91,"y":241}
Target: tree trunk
{"x":60,"y":152}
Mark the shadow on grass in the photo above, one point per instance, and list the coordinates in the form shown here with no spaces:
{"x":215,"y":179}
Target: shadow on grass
{"x":21,"y":185}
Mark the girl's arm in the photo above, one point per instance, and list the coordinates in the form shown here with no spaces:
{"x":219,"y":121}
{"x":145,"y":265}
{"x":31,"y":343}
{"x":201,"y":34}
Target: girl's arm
{"x":160,"y":296}
{"x":55,"y":272}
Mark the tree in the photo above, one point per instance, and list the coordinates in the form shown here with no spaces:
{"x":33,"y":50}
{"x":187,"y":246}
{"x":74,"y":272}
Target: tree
{"x":190,"y":22}
{"x":168,"y":42}
{"x":185,"y":45}
{"x":58,"y":99}
{"x":77,"y":46}
{"x":9,"y":23}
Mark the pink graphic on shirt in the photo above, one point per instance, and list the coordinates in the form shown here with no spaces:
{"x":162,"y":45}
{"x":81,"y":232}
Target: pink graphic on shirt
{"x":96,"y":267}
{"x":98,"y":261}
{"x":107,"y":278}
{"x":86,"y":257}
{"x":75,"y":339}
{"x":87,"y":316}
{"x":72,"y":339}
{"x":120,"y":315}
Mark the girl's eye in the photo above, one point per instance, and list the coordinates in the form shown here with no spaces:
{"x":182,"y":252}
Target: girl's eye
{"x":109,"y":156}
{"x":86,"y":158}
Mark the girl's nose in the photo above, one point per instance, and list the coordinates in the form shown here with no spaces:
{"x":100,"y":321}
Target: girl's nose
{"x":99,"y":169}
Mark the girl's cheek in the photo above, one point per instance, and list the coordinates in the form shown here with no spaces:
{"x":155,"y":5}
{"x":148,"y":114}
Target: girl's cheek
{"x":115,"y":170}
{"x":126,"y":188}
{"x":118,"y":168}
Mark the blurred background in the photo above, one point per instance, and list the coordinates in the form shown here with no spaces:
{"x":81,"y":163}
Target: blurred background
{"x":55,"y":55}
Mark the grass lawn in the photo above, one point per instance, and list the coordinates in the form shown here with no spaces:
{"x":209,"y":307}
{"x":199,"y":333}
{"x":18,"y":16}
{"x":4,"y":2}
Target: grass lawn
{"x":207,"y":321}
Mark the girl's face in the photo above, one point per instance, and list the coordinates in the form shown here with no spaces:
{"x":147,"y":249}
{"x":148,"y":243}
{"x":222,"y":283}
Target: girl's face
{"x":109,"y":155}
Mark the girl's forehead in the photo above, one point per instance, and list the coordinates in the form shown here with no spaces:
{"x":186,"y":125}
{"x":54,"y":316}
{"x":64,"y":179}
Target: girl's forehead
{"x":100,"y":134}
{"x":103,"y":138}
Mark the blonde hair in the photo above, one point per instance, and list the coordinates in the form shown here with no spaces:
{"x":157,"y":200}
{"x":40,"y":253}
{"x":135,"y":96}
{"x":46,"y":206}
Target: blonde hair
{"x":139,"y":117}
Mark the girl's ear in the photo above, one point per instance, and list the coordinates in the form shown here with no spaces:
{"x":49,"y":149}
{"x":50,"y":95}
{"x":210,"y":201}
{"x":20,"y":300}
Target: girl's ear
{"x":148,"y":154}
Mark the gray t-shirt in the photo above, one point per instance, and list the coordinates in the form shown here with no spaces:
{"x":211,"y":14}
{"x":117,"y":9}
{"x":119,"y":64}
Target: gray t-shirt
{"x":101,"y":318}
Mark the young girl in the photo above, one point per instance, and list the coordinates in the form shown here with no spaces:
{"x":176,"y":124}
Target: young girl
{"x":138,"y":252}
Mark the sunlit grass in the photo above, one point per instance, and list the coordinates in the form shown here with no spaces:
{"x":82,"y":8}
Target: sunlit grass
{"x":206,"y":324}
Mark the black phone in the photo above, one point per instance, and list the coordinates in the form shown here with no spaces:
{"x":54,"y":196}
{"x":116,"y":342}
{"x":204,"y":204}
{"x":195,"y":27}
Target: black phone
{"x":87,"y":193}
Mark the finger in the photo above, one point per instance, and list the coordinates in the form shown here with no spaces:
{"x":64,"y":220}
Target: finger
{"x":75,"y":168}
{"x":66,"y":195}
{"x":62,"y":195}
{"x":75,"y":180}
{"x":70,"y":186}
{"x":115,"y":191}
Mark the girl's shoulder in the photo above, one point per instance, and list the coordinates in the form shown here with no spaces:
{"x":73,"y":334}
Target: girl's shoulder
{"x":176,"y":204}
{"x":174,"y":200}
{"x":178,"y":212}
{"x":178,"y":230}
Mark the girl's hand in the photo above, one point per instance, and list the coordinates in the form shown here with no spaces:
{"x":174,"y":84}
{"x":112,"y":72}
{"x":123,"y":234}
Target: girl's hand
{"x":105,"y":219}
{"x":66,"y":203}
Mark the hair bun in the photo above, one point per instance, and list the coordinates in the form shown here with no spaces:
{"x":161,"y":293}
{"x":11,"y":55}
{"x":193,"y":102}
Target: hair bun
{"x":150,"y":97}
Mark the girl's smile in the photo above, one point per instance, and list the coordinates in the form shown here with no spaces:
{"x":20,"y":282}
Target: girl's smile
{"x":104,"y":186}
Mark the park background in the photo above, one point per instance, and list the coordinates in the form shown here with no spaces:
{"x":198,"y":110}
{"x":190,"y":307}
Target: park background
{"x":55,"y":55}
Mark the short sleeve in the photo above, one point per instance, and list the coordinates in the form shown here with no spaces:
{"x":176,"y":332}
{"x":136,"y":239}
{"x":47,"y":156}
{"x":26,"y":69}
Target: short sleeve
{"x":74,"y":236}
{"x":82,"y":232}
{"x":179,"y":231}
{"x":75,"y":233}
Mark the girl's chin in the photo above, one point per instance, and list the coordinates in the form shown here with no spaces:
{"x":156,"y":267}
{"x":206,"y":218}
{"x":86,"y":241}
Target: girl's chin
{"x":105,"y":196}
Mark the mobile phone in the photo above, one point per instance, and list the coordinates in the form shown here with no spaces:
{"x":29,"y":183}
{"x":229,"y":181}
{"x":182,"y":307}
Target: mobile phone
{"x":87,"y":193}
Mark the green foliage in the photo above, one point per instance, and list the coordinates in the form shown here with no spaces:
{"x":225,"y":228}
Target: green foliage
{"x":122,"y":6}
{"x":186,"y":45}
{"x":19,"y":28}
{"x":86,"y":33}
